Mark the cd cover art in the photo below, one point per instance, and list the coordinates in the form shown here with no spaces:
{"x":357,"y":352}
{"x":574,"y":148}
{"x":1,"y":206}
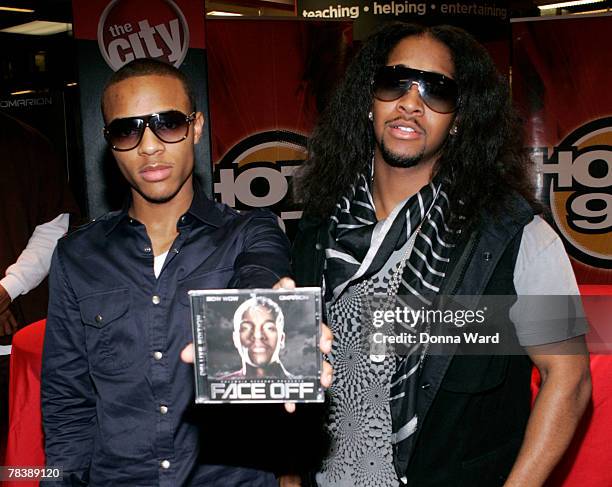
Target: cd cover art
{"x":257,"y":345}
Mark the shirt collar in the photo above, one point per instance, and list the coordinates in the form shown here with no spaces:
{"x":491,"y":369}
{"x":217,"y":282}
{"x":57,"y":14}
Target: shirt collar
{"x":202,"y":208}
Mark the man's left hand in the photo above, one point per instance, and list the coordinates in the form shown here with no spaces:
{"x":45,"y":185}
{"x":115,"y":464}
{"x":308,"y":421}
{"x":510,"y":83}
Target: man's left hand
{"x":8,"y":324}
{"x":5,"y":299}
{"x":325,"y":344}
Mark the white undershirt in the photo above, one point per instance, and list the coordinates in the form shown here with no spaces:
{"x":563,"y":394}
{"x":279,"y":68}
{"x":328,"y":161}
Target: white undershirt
{"x":32,"y":265}
{"x":158,"y":263}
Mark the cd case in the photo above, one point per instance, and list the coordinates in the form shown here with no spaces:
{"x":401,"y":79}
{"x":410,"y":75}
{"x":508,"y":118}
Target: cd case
{"x":257,"y":345}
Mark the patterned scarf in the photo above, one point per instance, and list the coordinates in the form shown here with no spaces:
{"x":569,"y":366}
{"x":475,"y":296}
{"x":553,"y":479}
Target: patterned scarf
{"x":358,"y":246}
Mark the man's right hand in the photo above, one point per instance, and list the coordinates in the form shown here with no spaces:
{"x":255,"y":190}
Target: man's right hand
{"x":289,"y":481}
{"x":8,"y":324}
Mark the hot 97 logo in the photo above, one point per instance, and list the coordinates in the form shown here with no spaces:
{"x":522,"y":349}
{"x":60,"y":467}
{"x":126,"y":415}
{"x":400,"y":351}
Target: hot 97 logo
{"x":256,"y":172}
{"x":580,"y":191}
{"x":133,"y":29}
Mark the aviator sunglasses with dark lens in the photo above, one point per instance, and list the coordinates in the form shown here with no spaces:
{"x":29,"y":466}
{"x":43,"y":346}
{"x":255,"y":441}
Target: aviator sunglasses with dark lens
{"x":125,"y":134}
{"x":439,"y":92}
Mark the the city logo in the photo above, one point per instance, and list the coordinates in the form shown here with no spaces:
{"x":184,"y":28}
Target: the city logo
{"x":133,"y":29}
{"x":256,"y":172}
{"x":580,"y":191}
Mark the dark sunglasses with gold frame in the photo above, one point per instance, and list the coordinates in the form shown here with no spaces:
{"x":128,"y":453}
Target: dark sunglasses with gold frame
{"x":124,"y":134}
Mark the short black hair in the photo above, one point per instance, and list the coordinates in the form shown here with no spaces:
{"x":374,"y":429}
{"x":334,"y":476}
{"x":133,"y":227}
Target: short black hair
{"x":149,"y":67}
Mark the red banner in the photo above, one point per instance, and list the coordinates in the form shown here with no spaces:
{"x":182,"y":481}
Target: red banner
{"x":140,"y":22}
{"x":266,"y":81}
{"x":111,"y":33}
{"x":562,"y":74}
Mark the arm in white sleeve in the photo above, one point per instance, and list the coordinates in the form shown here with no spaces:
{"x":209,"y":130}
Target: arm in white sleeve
{"x":542,"y":265}
{"x":544,"y":269}
{"x":32,"y":265}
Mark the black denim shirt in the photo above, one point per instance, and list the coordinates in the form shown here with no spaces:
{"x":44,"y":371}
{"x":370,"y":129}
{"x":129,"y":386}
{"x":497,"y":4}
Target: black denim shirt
{"x":117,"y":400}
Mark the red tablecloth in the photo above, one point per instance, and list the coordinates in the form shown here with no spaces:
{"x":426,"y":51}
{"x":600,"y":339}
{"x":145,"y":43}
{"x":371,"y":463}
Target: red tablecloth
{"x":588,"y":460}
{"x":25,"y":438}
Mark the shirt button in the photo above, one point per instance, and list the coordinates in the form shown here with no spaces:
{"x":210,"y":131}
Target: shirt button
{"x":163,"y":409}
{"x":155,"y":299}
{"x":147,"y":250}
{"x":99,"y":319}
{"x":165,"y":464}
{"x":157,"y":355}
{"x":183,"y":218}
{"x":175,"y":250}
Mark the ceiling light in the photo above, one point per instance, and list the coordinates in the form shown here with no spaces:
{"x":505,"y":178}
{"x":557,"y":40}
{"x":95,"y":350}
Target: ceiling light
{"x":71,"y":84}
{"x":17,"y":9}
{"x":224,"y":14}
{"x":23,"y":92}
{"x":39,"y":28}
{"x":574,"y":3}
{"x":591,"y":12}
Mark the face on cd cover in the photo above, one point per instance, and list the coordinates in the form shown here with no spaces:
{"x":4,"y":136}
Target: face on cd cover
{"x":257,"y":345}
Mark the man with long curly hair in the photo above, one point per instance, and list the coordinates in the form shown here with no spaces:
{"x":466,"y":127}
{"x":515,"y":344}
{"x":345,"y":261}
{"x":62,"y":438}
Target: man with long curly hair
{"x":417,"y":185}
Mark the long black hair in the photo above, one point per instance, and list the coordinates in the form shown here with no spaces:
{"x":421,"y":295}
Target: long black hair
{"x":482,"y":163}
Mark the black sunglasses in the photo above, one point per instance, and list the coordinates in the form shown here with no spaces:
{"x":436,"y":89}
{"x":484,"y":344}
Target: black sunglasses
{"x":439,"y":92}
{"x":125,"y":134}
